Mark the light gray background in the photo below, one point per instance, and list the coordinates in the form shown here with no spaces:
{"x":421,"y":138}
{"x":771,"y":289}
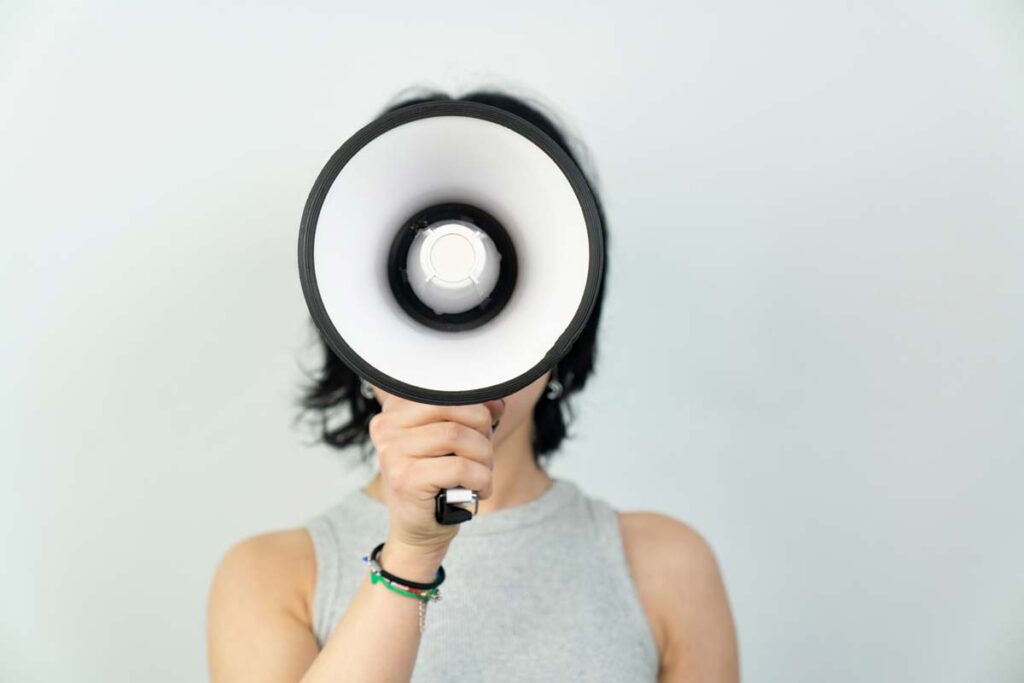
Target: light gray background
{"x":811,"y":348}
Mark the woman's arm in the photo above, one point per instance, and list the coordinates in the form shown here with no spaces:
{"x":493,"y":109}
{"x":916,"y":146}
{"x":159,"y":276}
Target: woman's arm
{"x":259,"y":620}
{"x":682,"y":591}
{"x":259,"y":615}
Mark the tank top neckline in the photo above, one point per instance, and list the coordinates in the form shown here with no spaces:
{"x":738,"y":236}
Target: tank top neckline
{"x":558,"y":494}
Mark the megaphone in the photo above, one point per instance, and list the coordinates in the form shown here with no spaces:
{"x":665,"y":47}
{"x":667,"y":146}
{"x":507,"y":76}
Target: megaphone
{"x":450,"y":252}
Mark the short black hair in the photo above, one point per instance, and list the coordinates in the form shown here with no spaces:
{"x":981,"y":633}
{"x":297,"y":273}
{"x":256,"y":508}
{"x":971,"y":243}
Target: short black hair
{"x":334,"y":389}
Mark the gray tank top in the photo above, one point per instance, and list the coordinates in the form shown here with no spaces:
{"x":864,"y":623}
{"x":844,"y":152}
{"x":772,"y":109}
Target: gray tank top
{"x":536,"y":592}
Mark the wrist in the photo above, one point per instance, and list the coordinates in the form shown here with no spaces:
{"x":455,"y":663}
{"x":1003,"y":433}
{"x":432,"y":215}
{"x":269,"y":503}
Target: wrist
{"x":411,"y":562}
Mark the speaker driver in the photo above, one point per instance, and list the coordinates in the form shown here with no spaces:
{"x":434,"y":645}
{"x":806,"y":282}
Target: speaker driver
{"x":452,"y":267}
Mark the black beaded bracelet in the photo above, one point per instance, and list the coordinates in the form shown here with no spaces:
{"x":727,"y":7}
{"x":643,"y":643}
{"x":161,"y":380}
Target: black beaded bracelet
{"x":438,"y":579}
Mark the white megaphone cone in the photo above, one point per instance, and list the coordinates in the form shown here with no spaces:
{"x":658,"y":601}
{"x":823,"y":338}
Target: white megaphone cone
{"x":450,"y":253}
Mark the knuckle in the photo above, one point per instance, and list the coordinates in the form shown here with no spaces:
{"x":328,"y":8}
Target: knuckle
{"x":375,"y":426}
{"x":398,"y":478}
{"x":483,"y":450}
{"x":452,"y":432}
{"x":477,"y":476}
{"x":481,"y":415}
{"x":385,"y":452}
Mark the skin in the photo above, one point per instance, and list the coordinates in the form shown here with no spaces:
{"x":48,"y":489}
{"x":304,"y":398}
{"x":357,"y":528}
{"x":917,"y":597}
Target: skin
{"x":260,"y":608}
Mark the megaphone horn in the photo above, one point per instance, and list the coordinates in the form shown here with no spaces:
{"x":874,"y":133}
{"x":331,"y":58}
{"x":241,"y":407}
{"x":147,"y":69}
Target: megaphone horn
{"x":450,"y":253}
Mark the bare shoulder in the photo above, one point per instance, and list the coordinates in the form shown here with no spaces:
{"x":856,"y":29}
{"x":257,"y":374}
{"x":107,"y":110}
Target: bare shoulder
{"x":258,"y":618}
{"x":276,"y":567}
{"x":680,"y":585}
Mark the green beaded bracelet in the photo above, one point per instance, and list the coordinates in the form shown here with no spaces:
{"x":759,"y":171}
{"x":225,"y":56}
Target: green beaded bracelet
{"x":429,"y":594}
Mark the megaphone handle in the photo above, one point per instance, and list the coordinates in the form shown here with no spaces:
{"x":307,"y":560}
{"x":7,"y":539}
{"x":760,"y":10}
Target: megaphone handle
{"x":446,"y":508}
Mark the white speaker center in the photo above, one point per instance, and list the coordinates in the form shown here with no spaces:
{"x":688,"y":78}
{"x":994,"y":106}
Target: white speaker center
{"x":453,"y":267}
{"x":452,"y":257}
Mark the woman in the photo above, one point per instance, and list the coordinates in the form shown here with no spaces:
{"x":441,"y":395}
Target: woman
{"x":545,"y":583}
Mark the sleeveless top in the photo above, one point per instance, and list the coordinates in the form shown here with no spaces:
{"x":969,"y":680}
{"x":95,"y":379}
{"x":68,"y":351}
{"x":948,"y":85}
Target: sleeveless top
{"x":537,"y":592}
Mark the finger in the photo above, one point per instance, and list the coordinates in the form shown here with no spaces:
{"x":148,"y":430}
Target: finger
{"x":402,"y":413}
{"x":452,"y":472}
{"x":444,"y":438}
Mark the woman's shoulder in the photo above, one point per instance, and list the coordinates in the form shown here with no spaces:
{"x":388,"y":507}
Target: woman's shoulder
{"x":276,"y":569}
{"x":677,"y":575}
{"x":672,"y":540}
{"x":287,"y":560}
{"x":258,"y":608}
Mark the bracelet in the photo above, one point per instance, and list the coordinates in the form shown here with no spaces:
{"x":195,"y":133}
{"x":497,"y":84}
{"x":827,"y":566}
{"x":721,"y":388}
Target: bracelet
{"x":375,"y":562}
{"x":413,"y":589}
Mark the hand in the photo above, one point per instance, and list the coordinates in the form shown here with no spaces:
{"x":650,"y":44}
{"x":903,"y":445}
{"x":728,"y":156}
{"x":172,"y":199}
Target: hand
{"x":422,"y":448}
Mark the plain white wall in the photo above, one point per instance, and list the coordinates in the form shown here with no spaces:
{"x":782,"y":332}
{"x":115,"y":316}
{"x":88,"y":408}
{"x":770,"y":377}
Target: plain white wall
{"x":811,"y":348}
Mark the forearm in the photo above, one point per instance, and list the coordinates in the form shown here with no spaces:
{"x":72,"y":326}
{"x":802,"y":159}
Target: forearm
{"x":378,"y":638}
